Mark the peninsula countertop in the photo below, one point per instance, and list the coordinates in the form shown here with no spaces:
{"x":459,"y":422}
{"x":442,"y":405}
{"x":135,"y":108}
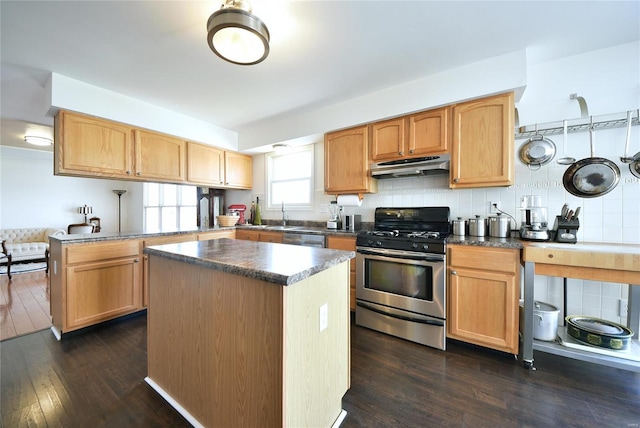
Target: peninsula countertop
{"x":276,"y":263}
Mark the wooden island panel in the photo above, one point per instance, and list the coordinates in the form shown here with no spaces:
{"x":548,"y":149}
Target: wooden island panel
{"x":230,"y":350}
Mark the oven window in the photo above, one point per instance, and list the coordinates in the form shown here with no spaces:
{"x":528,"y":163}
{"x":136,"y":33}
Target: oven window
{"x":399,"y":278}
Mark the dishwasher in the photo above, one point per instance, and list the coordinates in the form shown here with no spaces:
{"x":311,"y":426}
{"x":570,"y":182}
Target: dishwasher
{"x":305,"y":239}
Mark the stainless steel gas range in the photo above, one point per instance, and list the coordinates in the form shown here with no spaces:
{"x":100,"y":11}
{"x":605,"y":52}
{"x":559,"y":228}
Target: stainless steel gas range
{"x":400,"y":274}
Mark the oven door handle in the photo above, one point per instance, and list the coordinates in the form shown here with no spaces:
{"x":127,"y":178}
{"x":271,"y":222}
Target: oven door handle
{"x":423,"y":258}
{"x":401,"y":317}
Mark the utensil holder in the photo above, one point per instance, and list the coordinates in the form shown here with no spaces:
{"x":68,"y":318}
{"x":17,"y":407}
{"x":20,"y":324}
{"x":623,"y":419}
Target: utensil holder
{"x":566,"y":230}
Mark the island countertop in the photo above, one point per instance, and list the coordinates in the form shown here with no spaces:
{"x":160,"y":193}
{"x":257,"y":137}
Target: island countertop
{"x":276,"y":263}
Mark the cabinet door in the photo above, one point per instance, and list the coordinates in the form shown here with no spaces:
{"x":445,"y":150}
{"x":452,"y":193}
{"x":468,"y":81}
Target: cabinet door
{"x":348,"y":244}
{"x":483,"y":308}
{"x":159,"y":157}
{"x":388,"y":140}
{"x":238,"y":170}
{"x":205,"y":165}
{"x":101,"y":290}
{"x":247,"y":235}
{"x":346,"y":162}
{"x":205,"y":236}
{"x":429,"y":132}
{"x":89,"y":146}
{"x":483,"y":138}
{"x":271,"y":237}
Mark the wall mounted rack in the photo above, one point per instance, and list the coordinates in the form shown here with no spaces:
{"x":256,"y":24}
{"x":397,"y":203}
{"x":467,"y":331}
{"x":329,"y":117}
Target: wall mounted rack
{"x":581,"y":124}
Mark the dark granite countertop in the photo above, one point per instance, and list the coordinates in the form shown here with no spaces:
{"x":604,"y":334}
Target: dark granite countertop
{"x":276,"y":263}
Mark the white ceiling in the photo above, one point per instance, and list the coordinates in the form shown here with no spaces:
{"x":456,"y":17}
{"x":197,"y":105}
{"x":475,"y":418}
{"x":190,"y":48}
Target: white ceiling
{"x":322,"y":52}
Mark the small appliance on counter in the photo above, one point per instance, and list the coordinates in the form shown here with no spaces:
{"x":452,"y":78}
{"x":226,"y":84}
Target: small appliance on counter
{"x":565,"y":228}
{"x":238,"y":209}
{"x":352,"y":222}
{"x":534,"y":226}
{"x":334,"y":221}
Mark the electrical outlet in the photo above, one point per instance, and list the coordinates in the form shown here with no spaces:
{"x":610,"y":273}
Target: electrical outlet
{"x":494,"y":206}
{"x":624,"y":308}
{"x":324,"y":317}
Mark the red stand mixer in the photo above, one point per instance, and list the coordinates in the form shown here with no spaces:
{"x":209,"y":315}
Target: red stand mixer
{"x":240,"y":209}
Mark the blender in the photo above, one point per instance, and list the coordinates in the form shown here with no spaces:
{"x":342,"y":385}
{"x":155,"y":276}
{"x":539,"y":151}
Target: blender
{"x":334,"y":221}
{"x":534,"y":219}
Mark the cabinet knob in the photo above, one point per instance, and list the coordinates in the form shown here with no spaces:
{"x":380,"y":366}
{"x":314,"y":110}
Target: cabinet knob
{"x":411,"y":151}
{"x":128,"y":172}
{"x":136,"y":261}
{"x":400,"y":153}
{"x":455,"y":180}
{"x":138,"y":173}
{"x":453,"y":272}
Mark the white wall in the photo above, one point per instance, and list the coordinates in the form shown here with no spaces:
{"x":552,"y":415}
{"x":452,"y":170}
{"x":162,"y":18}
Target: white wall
{"x":31,"y":196}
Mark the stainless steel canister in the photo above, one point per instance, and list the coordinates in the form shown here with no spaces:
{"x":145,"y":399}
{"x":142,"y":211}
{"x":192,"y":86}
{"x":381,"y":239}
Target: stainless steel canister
{"x":477,"y":226}
{"x":459,"y":226}
{"x":499,"y":226}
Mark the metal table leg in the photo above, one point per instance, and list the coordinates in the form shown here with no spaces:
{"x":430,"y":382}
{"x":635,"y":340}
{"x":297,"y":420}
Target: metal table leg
{"x":527,"y":328}
{"x":633,"y":317}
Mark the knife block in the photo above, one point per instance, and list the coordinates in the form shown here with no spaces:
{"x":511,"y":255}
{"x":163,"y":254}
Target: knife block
{"x":566,"y":230}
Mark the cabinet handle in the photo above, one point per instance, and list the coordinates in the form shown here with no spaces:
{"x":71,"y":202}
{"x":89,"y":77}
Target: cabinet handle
{"x":411,"y":151}
{"x":400,"y":153}
{"x":455,"y":180}
{"x":453,"y":272}
{"x":136,"y":261}
{"x":128,"y":172}
{"x":138,"y":173}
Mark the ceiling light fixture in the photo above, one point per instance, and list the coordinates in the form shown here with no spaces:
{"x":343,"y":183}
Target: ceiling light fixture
{"x":281,"y":148}
{"x":237,"y":36}
{"x":38,"y":141}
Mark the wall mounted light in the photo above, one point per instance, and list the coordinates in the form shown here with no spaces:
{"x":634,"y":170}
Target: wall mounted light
{"x":38,"y":141}
{"x":236,"y":35}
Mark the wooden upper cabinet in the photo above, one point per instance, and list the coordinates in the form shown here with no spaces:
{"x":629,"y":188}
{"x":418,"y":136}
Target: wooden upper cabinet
{"x":388,"y":139}
{"x":429,"y":132}
{"x":483,"y":139}
{"x":421,"y":134}
{"x":159,"y":157}
{"x":238,"y":170}
{"x":87,"y":145}
{"x":205,"y":165}
{"x":346,"y":162}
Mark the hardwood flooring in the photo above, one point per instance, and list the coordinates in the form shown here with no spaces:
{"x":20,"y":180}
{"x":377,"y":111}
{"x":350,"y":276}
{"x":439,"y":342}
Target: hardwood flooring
{"x":95,"y":378}
{"x":24,"y":304}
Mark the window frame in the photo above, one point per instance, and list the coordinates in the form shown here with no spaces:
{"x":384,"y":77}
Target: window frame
{"x":180,"y":188}
{"x":269,"y":158}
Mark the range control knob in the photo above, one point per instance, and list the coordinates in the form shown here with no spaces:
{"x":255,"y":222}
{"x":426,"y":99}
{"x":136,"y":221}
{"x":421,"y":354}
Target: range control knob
{"x":425,"y":246}
{"x":379,"y":244}
{"x":414,"y":246}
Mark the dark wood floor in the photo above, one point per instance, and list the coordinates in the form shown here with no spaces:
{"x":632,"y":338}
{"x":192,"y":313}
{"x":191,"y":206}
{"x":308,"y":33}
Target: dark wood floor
{"x":95,"y":379}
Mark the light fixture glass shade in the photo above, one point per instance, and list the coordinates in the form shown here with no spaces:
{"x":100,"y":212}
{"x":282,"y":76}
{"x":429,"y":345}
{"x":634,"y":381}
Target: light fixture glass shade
{"x":38,"y":141}
{"x":237,"y":36}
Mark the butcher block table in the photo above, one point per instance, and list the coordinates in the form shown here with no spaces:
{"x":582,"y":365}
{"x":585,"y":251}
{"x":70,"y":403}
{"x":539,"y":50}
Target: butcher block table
{"x":609,"y":262}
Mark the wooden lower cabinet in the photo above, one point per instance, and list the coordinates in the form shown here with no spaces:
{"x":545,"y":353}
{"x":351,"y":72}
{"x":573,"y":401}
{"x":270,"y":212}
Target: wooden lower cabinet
{"x":94,"y":282}
{"x":482,"y":296}
{"x":259,"y":236}
{"x":346,"y":243}
{"x":205,"y":236}
{"x":159,"y":240}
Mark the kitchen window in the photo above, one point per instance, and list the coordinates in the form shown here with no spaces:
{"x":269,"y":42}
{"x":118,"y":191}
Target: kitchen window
{"x":169,"y":207}
{"x":290,"y":178}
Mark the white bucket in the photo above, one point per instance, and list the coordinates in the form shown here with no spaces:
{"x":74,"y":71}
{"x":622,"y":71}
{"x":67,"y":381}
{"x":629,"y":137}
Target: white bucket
{"x":545,"y":320}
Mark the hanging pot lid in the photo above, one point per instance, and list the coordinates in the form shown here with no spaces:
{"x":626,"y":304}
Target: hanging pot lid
{"x":634,"y":166}
{"x":537,"y":151}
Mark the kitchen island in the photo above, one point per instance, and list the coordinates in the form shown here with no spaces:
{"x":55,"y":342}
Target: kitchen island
{"x":246,"y":333}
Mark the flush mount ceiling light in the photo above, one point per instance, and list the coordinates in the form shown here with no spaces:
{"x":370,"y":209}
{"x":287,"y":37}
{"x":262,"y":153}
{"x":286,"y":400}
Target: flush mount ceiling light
{"x":281,"y":148}
{"x":38,"y":141}
{"x":237,"y":36}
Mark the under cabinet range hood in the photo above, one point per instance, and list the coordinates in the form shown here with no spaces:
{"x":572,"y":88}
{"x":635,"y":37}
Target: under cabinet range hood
{"x":430,"y":165}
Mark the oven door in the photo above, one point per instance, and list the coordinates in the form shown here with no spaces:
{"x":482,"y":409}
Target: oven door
{"x":412,"y":282}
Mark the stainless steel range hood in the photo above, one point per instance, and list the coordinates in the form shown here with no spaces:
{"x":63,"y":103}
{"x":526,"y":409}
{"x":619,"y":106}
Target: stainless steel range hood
{"x":431,"y":165}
